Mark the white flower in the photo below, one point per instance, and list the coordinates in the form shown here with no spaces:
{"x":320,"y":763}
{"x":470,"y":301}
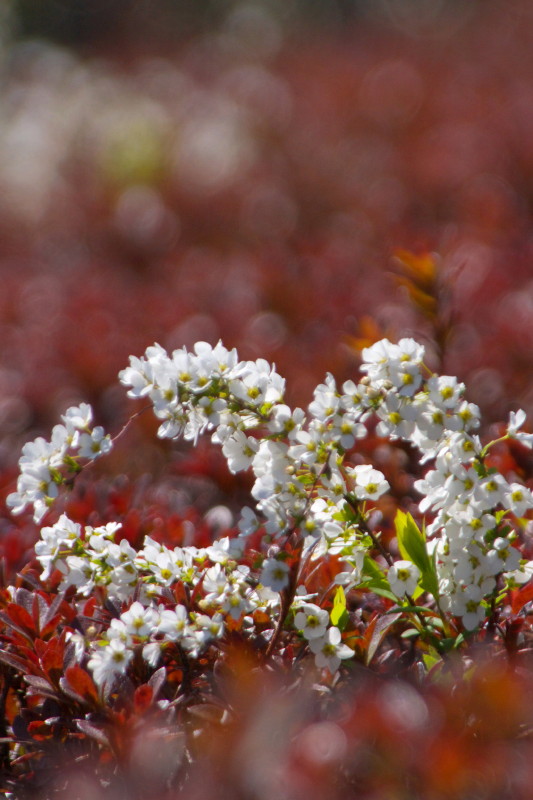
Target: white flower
{"x":398,"y":363}
{"x":206,"y":629}
{"x":503,"y":555}
{"x":152,"y":653}
{"x":445,"y":391}
{"x":377,"y":358}
{"x":248,"y":522}
{"x":275,"y":574}
{"x":62,"y":534}
{"x":326,"y":401}
{"x":518,"y":499}
{"x":239,"y":450}
{"x":35,"y":486}
{"x":521,"y":575}
{"x":516,"y":420}
{"x":329,"y":650}
{"x":224,"y":550}
{"x":311,"y":620}
{"x":370,"y":483}
{"x":217,"y":360}
{"x":258,"y":384}
{"x":406,"y":377}
{"x":397,"y":417}
{"x":109,"y":661}
{"x":139,"y":375}
{"x":163,"y":566}
{"x":94,"y":444}
{"x":346,"y":429}
{"x":354,"y":396}
{"x":235,"y":603}
{"x":215,"y":583}
{"x":308,"y":449}
{"x":271,"y":460}
{"x":173,"y":623}
{"x":285,"y":421}
{"x":41,"y":461}
{"x":79,"y":572}
{"x":491,"y":491}
{"x":79,"y":417}
{"x":466,"y":603}
{"x":403,"y":577}
{"x":139,"y":621}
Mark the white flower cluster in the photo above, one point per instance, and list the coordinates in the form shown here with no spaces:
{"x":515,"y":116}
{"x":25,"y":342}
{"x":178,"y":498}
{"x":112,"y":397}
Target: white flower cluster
{"x":296,"y":460}
{"x":42,"y":462}
{"x":298,"y":465}
{"x":303,"y":485}
{"x":92,"y":558}
{"x":152,"y":629}
{"x":469,"y":501}
{"x":325,"y":642}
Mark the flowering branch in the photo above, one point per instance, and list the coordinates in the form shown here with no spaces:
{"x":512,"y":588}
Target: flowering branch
{"x":307,"y":495}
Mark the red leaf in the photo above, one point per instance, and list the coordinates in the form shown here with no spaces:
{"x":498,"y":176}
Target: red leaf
{"x":39,"y":610}
{"x":40,"y":647}
{"x":20,"y":618}
{"x":40,"y":687}
{"x":519,"y":597}
{"x":39,"y":730}
{"x":67,"y":611}
{"x":376,"y":632}
{"x":142,"y":698}
{"x":52,"y":658}
{"x":12,"y":706}
{"x":50,"y":625}
{"x":91,"y":730}
{"x":51,"y":615}
{"x":82,"y":683}
{"x":89,"y":607}
{"x":13,"y":661}
{"x":24,"y":598}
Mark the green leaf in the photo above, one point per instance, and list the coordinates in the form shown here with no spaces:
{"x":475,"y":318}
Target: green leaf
{"x":451,"y":643}
{"x":338,"y":614}
{"x":431,"y":658}
{"x":417,"y":592}
{"x":412,"y":546}
{"x":376,"y":581}
{"x":411,"y":541}
{"x":379,"y":590}
{"x":414,"y":609}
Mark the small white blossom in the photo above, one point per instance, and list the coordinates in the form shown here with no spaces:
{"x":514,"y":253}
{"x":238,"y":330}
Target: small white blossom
{"x":275,"y":574}
{"x":369,"y":483}
{"x":311,"y":620}
{"x":108,"y":662}
{"x":329,"y":650}
{"x":403,"y":577}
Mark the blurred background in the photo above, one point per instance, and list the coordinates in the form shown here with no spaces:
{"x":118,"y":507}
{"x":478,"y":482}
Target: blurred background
{"x":274,"y":174}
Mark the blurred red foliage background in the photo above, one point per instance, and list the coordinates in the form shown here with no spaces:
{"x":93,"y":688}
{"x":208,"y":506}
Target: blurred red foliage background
{"x":250,"y":174}
{"x":263,"y":177}
{"x":252,"y":182}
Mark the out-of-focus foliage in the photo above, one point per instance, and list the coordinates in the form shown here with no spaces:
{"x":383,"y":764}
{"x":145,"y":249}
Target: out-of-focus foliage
{"x":82,"y":22}
{"x":257,"y":181}
{"x":281,"y":175}
{"x":425,"y":705}
{"x":253,"y":183}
